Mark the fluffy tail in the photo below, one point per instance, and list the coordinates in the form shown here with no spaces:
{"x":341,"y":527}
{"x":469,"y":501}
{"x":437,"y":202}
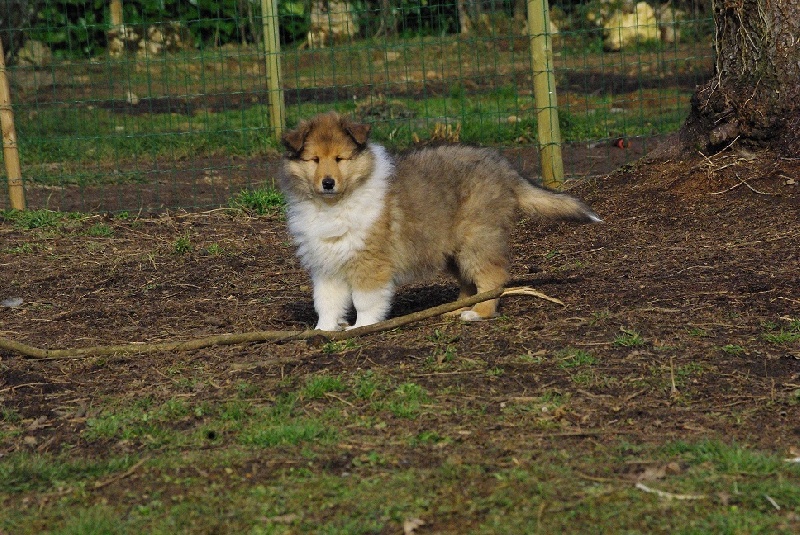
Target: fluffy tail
{"x":535,"y":200}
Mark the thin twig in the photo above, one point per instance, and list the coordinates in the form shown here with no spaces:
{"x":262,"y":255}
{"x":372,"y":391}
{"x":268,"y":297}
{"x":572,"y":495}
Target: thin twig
{"x":262,"y":336}
{"x":128,"y":472}
{"x":668,"y":495}
{"x":742,"y":182}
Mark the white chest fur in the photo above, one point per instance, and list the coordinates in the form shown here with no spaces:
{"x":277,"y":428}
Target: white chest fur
{"x":328,"y":235}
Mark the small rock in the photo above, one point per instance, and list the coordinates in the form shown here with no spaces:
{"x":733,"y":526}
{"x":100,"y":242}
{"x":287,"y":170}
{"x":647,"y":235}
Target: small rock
{"x":11,"y":302}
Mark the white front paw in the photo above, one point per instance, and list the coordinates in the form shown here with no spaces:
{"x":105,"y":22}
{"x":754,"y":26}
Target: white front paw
{"x":471,"y":315}
{"x":328,"y":326}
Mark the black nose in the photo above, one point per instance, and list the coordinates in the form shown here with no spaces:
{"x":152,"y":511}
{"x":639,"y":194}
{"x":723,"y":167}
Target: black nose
{"x":328,"y":183}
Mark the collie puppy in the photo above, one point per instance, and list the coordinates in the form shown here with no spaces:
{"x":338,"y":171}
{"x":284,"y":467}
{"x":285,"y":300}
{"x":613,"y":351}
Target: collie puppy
{"x":365,"y":221}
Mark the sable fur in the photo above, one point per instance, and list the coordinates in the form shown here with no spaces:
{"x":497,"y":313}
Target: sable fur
{"x":365,"y":222}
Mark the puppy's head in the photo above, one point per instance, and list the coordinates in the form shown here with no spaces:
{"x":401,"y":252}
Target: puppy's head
{"x":327,"y":155}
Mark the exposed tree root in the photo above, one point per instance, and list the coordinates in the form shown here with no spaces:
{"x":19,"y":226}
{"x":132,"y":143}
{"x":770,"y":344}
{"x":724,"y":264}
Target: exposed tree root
{"x":262,"y":336}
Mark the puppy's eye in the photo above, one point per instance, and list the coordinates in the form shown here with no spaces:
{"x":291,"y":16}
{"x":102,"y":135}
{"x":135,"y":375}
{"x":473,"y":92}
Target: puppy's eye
{"x":340,"y":158}
{"x":314,"y":159}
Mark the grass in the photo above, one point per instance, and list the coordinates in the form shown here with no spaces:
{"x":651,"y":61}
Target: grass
{"x":378,"y":453}
{"x":628,"y":338}
{"x":259,"y":201}
{"x":182,"y":245}
{"x":407,"y":400}
{"x":59,"y":135}
{"x":541,"y":491}
{"x":784,"y":334}
{"x":38,"y":219}
{"x":573,"y":358}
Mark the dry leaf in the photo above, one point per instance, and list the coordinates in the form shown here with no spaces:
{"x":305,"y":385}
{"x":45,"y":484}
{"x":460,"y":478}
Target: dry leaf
{"x":653,"y":473}
{"x":410,"y":525}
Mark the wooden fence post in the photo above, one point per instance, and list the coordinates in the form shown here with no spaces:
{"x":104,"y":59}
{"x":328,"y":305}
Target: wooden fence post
{"x":544,"y":93}
{"x":272,"y":53}
{"x":16,"y":192}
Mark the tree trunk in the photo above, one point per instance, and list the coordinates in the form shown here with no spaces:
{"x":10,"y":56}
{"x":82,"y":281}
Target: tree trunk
{"x":754,"y":96}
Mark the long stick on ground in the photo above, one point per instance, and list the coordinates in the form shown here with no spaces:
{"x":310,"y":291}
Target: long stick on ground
{"x":262,"y":336}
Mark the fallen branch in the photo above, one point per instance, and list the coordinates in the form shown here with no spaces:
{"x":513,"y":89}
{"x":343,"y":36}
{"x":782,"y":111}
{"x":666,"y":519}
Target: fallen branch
{"x":262,"y":336}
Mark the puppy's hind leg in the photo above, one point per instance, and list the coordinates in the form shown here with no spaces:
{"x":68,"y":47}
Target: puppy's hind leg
{"x":489,"y":278}
{"x":484,"y":261}
{"x":467,"y":288}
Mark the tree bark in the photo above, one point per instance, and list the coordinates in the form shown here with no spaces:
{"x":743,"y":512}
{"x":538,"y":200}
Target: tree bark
{"x":754,"y":96}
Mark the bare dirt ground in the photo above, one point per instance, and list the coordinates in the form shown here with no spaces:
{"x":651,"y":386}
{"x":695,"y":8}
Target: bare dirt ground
{"x":700,"y":258}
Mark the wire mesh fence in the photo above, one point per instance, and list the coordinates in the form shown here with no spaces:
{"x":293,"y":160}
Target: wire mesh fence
{"x":145,"y":105}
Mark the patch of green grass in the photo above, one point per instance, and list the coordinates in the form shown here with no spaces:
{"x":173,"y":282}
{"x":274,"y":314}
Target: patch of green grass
{"x":59,"y":134}
{"x":573,"y":358}
{"x":31,"y":219}
{"x":100,"y":230}
{"x":287,"y":433}
{"x":318,"y":385}
{"x":278,"y":426}
{"x":214,"y":249}
{"x":533,"y":357}
{"x":10,"y":415}
{"x":732,"y":349}
{"x":495,"y":372}
{"x":786,"y":333}
{"x":24,"y":248}
{"x":407,"y":400}
{"x":628,"y":338}
{"x":428,"y":438}
{"x":23,"y":471}
{"x":366,"y":385}
{"x":726,"y":458}
{"x":337,"y":346}
{"x":368,"y":491}
{"x":97,"y":520}
{"x":599,"y":317}
{"x":246,"y":390}
{"x":182,"y":245}
{"x":584,"y":377}
{"x":697,"y":332}
{"x":688,"y":370}
{"x":141,"y":421}
{"x":260,"y":201}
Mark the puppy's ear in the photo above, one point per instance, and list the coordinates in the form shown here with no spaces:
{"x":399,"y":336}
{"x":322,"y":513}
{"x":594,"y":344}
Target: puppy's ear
{"x":294,"y":140}
{"x":359,"y":132}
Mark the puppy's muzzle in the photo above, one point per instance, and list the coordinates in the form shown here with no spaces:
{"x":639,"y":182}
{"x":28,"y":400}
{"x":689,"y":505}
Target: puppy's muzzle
{"x":328,"y":185}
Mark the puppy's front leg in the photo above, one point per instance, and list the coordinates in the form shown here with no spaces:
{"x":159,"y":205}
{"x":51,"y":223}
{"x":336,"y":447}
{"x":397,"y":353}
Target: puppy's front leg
{"x":331,"y":301}
{"x":372,"y":305}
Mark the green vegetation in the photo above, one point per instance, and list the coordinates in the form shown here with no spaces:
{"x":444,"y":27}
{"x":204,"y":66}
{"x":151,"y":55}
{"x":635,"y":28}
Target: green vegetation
{"x":573,"y":358}
{"x":305,"y":461}
{"x":183,"y":245}
{"x":732,"y":349}
{"x":784,"y":334}
{"x":58,"y":134}
{"x":629,"y":338}
{"x":32,"y":219}
{"x":259,"y":201}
